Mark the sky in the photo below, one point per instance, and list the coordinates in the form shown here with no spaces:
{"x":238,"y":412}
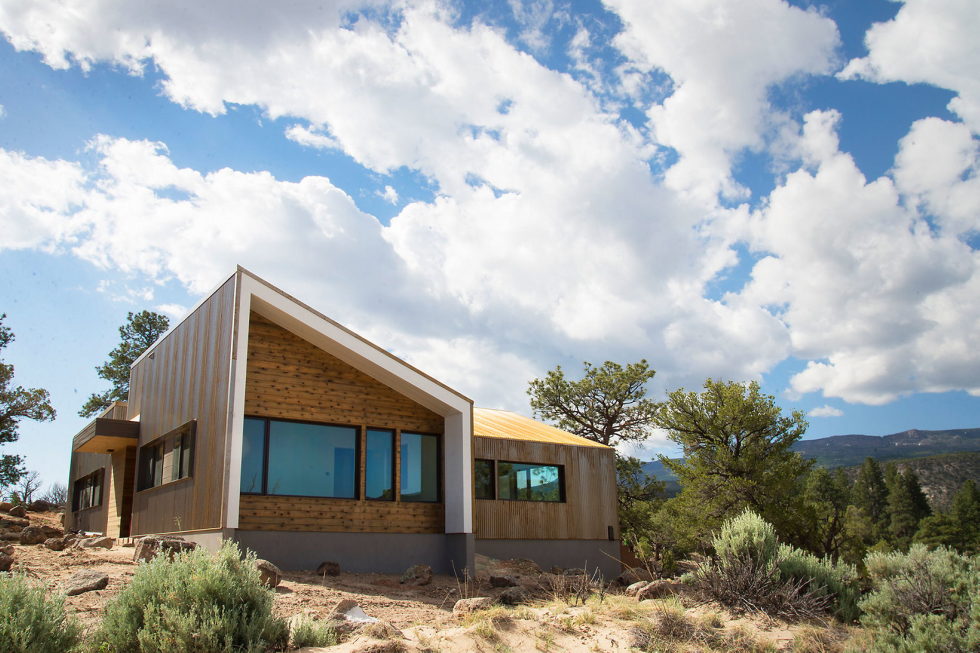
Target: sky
{"x":761,"y":190}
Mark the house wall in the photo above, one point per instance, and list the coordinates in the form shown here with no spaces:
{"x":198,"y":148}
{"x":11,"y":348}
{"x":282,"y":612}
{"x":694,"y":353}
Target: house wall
{"x":590,"y":494}
{"x":186,"y":377}
{"x":290,"y":378}
{"x":91,"y":519}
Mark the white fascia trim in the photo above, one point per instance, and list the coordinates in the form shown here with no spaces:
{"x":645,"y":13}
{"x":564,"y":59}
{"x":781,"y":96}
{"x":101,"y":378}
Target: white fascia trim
{"x":236,"y":408}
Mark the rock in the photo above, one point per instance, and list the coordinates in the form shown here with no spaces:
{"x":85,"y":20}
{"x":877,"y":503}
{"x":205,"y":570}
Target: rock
{"x":347,"y":610}
{"x":54,"y":543}
{"x":467,"y":606}
{"x":512,"y":596}
{"x":382,"y":630}
{"x":95,"y":543}
{"x":151,"y":546}
{"x":6,"y":561}
{"x":17,"y":511}
{"x":5,"y":506}
{"x":557,"y":571}
{"x":86,"y":580}
{"x":41,"y":506}
{"x":502,"y":581}
{"x":8,"y":549}
{"x":631,"y":576}
{"x":659,"y":589}
{"x":340,"y":608}
{"x":269,"y":574}
{"x":69,"y":539}
{"x":13,"y":522}
{"x":10,"y":536}
{"x":417,"y":575}
{"x":389,"y":646}
{"x":32,"y":535}
{"x":328,"y":569}
{"x":634,"y":588}
{"x":521,"y":566}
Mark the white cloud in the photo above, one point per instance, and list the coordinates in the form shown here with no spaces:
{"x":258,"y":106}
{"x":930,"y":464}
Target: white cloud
{"x":174,"y":311}
{"x":825,"y":411}
{"x":932,"y":42}
{"x":389,"y":195}
{"x":723,"y":58}
{"x":311,"y":138}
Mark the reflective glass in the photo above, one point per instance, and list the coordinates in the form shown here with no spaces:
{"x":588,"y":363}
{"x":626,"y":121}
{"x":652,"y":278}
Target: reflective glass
{"x":419,"y":467}
{"x":311,"y":460}
{"x":253,"y":449}
{"x":529,"y":482}
{"x":380,"y":465}
{"x":484,"y":479}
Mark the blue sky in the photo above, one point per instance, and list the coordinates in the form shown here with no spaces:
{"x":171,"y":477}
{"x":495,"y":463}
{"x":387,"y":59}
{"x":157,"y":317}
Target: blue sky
{"x":755,"y":190}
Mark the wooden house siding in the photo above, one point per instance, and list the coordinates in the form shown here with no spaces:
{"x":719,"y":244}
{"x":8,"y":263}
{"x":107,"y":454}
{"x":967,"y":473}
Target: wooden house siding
{"x":187,"y":377}
{"x":92,"y":519}
{"x":589,"y":508}
{"x":290,"y":378}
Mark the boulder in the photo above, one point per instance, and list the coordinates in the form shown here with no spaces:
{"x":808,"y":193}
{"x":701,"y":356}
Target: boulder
{"x":417,"y":575}
{"x":520,"y":566}
{"x":10,"y":536}
{"x":13,"y":523}
{"x":55,"y":543}
{"x":467,"y":606}
{"x":5,"y":506}
{"x":6,"y":561}
{"x":269,"y":574}
{"x":347,"y":610}
{"x":17,"y":511}
{"x":340,"y":608}
{"x":659,"y":589}
{"x":328,"y":568}
{"x":150,"y":547}
{"x":95,"y":543}
{"x":8,"y":549}
{"x":33,"y":535}
{"x":502,"y":581}
{"x":631,"y":576}
{"x":41,"y":506}
{"x":512,"y":596}
{"x":634,"y":588}
{"x":86,"y":580}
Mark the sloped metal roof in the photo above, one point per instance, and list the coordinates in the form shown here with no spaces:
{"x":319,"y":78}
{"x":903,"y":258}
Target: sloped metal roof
{"x":491,"y":423}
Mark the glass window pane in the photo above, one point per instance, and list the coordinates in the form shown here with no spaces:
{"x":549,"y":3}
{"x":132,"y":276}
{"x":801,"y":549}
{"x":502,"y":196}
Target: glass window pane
{"x":419,"y":467}
{"x":186,"y":447}
{"x":158,"y":465}
{"x":529,"y":482}
{"x":379,"y":465}
{"x":312,"y":460}
{"x":253,"y":449}
{"x":484,"y":479}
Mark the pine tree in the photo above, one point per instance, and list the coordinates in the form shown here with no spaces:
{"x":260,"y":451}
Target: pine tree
{"x":907,"y":506}
{"x":870,"y":494}
{"x":827,"y":497}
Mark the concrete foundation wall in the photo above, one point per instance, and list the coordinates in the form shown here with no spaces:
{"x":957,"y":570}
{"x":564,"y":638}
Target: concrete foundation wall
{"x":593,"y":554}
{"x":361,"y":552}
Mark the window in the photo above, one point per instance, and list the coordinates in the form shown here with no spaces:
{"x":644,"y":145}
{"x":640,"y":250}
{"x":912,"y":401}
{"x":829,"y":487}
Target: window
{"x":299,"y":459}
{"x":87,"y":492}
{"x":151,"y":465}
{"x":379,"y":465}
{"x":419,"y":467}
{"x":530,"y":482}
{"x":484,"y":479}
{"x":183,"y":452}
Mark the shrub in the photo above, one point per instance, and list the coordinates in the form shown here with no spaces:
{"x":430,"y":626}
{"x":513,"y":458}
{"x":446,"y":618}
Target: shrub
{"x":837,"y":581}
{"x":308,"y":632}
{"x":923,"y":601}
{"x":32,"y":623}
{"x":198,"y":602}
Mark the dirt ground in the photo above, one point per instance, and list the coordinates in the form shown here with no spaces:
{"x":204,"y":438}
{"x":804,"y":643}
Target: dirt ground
{"x":422,"y":615}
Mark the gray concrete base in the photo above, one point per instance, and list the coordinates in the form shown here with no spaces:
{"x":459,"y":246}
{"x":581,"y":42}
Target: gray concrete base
{"x":361,"y":552}
{"x":211,"y":540}
{"x":591,"y":554}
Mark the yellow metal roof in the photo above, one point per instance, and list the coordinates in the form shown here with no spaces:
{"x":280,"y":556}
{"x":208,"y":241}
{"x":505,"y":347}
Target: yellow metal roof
{"x":490,"y":423}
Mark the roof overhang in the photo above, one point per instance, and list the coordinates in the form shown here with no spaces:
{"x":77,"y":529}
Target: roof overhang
{"x":106,"y":435}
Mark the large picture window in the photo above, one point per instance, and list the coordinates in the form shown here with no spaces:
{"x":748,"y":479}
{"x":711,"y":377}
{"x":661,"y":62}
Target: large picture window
{"x":530,"y":482}
{"x":379,"y":465}
{"x":484,"y":479}
{"x":151,"y":465}
{"x":419,"y":467}
{"x":299,"y":459}
{"x":87,"y":492}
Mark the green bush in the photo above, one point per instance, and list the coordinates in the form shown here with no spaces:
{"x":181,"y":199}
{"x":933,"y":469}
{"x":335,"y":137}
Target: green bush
{"x":838,"y":581}
{"x":196,"y":603}
{"x":32,"y":623}
{"x":923,"y":601}
{"x":307,"y":632}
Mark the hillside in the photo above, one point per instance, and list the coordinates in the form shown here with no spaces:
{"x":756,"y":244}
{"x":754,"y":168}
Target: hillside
{"x":940,"y":476}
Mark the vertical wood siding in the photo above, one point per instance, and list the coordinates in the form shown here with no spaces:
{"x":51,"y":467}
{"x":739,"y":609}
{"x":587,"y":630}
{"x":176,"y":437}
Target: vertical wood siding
{"x":187,"y":378}
{"x":590,"y":494}
{"x":91,"y":519}
{"x":290,"y":378}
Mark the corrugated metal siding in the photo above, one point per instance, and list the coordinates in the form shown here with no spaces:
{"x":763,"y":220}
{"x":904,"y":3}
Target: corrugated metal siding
{"x":187,"y":378}
{"x":590,"y":494}
{"x":490,"y":423}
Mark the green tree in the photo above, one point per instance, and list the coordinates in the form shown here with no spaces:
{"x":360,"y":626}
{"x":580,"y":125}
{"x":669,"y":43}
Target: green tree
{"x":608,"y":405}
{"x":737,"y":455}
{"x":827,"y":497}
{"x":16,"y":403}
{"x":959,"y":527}
{"x":870,"y":494}
{"x":907,"y":506}
{"x":640,"y":495}
{"x":139,"y":332}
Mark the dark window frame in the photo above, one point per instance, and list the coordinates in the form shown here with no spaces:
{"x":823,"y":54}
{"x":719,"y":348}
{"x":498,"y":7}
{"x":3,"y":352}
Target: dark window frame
{"x":149,"y":469}
{"x":186,"y":437}
{"x":85,"y":486}
{"x":493,"y":479}
{"x":265,"y":457}
{"x":562,"y":497}
{"x":394,"y":464}
{"x":149,"y":465}
{"x":439,"y":467}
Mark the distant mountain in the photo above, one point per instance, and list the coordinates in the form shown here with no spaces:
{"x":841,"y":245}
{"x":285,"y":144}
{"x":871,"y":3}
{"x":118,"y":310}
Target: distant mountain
{"x":940,"y":476}
{"x":851,"y":450}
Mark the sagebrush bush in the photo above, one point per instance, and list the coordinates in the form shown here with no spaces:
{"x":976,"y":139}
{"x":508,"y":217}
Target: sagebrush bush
{"x":199,"y":602}
{"x":32,"y":623}
{"x":923,"y":601}
{"x":307,"y":632}
{"x":838,"y":581}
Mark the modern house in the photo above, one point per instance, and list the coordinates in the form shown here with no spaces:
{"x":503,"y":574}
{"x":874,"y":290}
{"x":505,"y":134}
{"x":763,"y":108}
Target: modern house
{"x":258,"y":419}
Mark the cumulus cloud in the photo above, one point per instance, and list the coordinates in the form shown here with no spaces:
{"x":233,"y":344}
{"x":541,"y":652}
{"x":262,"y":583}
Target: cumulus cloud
{"x":825,"y":411}
{"x":931,"y":42}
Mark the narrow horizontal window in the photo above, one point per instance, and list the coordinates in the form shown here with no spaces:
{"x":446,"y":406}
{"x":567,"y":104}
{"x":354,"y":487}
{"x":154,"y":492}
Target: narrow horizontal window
{"x":419,"y":467}
{"x":530,"y":482}
{"x":484,"y":479}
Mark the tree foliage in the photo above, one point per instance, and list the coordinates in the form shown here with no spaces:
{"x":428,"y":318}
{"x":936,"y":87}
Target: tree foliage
{"x":17,"y":403}
{"x":608,"y":405}
{"x":737,"y":455}
{"x":139,"y":332}
{"x":827,"y":497}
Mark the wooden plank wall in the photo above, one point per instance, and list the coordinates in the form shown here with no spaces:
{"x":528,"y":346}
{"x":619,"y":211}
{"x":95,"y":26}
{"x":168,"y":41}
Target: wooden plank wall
{"x":91,"y":519}
{"x":187,"y":378}
{"x":290,"y":378}
{"x":119,"y":492}
{"x":590,"y":494}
